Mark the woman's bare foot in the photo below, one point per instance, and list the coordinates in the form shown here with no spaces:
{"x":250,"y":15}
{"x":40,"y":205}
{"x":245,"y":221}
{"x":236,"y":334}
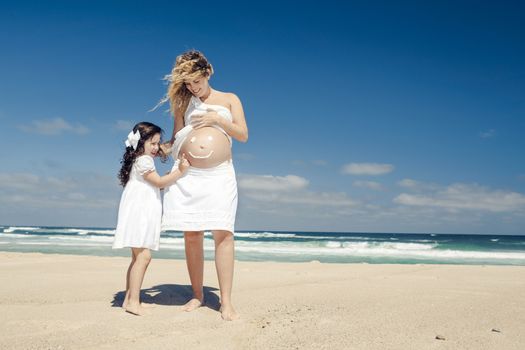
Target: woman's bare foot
{"x":126,"y":299}
{"x":228,"y":313}
{"x":192,"y":305}
{"x":147,"y":305}
{"x":136,"y":310}
{"x":143,"y":305}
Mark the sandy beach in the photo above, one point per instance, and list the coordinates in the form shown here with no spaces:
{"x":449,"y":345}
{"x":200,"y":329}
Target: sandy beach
{"x":73,"y":302}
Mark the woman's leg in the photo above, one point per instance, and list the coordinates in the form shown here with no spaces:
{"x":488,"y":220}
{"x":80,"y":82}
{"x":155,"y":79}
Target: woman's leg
{"x":193,"y":245}
{"x":136,"y":276}
{"x":224,"y":259}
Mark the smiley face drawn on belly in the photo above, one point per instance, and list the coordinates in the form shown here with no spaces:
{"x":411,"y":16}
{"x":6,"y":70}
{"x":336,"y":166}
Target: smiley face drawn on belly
{"x":206,"y":147}
{"x":202,"y":147}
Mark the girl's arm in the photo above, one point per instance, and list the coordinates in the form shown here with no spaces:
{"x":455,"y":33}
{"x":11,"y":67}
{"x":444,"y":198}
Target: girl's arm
{"x":163,"y":181}
{"x":237,"y":128}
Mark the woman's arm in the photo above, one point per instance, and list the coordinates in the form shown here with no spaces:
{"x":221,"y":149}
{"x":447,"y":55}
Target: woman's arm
{"x":237,"y":128}
{"x":178,"y":123}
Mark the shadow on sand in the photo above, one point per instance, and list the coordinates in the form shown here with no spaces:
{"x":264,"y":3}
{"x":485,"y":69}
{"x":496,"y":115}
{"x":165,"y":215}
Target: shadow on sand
{"x":170,"y":294}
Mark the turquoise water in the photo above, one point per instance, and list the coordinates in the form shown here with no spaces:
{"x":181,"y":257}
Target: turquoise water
{"x":329,"y":247}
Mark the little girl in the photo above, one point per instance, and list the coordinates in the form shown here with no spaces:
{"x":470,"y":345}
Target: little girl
{"x":140,"y":207}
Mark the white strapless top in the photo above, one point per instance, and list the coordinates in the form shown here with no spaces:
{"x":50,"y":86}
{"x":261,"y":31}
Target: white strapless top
{"x":195,"y":108}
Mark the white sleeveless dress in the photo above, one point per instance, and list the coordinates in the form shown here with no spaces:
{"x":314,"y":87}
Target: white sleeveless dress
{"x":202,"y":199}
{"x":140,"y":209}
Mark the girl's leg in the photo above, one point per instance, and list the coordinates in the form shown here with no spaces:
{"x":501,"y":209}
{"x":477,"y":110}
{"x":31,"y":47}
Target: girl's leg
{"x":136,"y":276}
{"x":224,"y":259}
{"x":126,"y":298}
{"x":193,"y":245}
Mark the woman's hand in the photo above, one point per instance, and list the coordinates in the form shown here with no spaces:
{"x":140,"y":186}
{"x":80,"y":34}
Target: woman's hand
{"x":183,"y":164}
{"x":210,"y":118}
{"x":166,"y":148}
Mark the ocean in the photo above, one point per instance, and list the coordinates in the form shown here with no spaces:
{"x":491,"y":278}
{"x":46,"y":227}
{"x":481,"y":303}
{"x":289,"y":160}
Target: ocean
{"x":326,"y":247}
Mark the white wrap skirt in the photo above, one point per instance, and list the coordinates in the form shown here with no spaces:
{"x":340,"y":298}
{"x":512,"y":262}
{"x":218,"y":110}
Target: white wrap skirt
{"x":202,"y":199}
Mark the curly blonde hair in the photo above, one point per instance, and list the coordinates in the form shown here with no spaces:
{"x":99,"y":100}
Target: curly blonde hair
{"x":188,"y":66}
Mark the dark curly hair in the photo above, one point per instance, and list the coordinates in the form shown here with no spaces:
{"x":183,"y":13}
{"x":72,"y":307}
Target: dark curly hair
{"x":147,"y":130}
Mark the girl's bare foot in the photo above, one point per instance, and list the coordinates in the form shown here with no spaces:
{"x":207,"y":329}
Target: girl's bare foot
{"x":228,"y":313}
{"x":192,"y":305}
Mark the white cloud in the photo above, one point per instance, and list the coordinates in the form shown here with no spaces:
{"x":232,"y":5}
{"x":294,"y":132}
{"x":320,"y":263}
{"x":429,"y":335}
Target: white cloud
{"x":19,"y":181}
{"x":367,"y":169}
{"x":288,"y":190}
{"x":419,"y":186}
{"x":487,"y":134}
{"x":55,"y":126}
{"x":372,"y":185}
{"x":466,"y":197}
{"x":244,"y":156}
{"x":30,"y":191}
{"x":315,"y":162}
{"x":322,"y":199}
{"x":319,"y":162}
{"x":124,"y":125}
{"x":408,"y":183}
{"x":298,"y":162}
{"x":272,"y":183}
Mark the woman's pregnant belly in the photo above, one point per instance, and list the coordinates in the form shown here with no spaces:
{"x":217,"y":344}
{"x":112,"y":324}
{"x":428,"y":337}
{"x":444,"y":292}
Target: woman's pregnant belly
{"x":206,"y":147}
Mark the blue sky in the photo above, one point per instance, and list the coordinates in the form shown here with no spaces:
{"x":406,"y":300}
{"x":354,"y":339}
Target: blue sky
{"x":366,"y":116}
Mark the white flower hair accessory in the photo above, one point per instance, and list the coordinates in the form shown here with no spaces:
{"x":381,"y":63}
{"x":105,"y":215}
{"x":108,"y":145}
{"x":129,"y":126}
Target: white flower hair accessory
{"x":133,"y":139}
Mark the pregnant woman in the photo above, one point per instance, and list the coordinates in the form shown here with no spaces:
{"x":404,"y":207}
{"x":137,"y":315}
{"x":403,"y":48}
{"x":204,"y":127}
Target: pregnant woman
{"x":205,"y":198}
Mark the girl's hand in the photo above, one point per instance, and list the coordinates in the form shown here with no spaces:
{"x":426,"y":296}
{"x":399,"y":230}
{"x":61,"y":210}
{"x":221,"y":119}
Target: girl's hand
{"x":183,"y":164}
{"x":210,"y":118}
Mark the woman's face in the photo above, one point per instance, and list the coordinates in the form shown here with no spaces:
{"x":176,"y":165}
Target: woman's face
{"x":198,"y":87}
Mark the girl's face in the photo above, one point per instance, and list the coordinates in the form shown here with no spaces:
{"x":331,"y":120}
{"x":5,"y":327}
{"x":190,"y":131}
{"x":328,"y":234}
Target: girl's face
{"x":151,"y":146}
{"x":198,"y":87}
